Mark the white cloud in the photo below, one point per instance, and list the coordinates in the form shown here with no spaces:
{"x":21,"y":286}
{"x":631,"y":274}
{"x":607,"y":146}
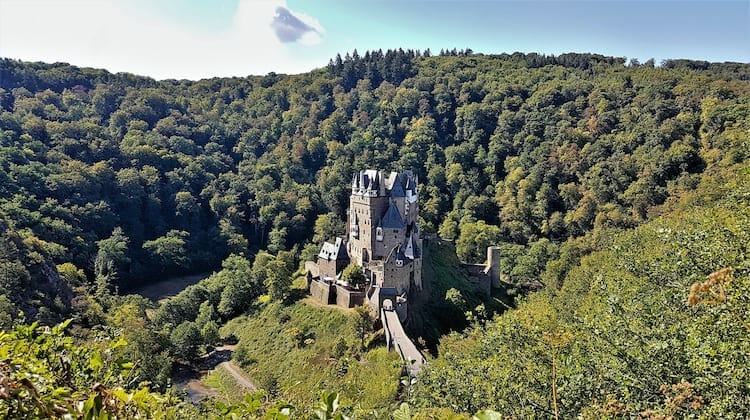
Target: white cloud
{"x":291,"y":26}
{"x":118,"y":36}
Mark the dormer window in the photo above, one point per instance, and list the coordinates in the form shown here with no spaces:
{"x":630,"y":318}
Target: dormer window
{"x":379,"y":234}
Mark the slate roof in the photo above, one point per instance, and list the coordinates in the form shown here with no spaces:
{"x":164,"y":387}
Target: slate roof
{"x":397,"y":254}
{"x":410,"y":247}
{"x":398,"y":190}
{"x":333,"y":251}
{"x":392,"y":219}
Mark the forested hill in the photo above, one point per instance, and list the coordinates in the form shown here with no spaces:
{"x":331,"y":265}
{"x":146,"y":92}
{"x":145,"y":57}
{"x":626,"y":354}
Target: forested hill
{"x":132,"y":179}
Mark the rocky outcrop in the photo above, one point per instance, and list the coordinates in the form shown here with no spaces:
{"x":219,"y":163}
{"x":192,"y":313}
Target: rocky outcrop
{"x":29,"y":278}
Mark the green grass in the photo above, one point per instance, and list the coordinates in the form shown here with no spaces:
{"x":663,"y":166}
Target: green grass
{"x":291,"y":352}
{"x":225,"y":385}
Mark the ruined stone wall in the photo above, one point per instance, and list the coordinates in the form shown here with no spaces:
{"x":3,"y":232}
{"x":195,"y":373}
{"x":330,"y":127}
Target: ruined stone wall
{"x":493,"y":263}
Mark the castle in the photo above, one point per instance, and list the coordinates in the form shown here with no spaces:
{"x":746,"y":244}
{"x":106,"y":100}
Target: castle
{"x":383,"y":239}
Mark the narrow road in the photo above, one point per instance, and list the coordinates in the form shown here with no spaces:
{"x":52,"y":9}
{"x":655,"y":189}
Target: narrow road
{"x":235,"y":372}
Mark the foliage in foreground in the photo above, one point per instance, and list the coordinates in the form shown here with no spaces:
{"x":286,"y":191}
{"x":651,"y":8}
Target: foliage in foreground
{"x":654,"y":323}
{"x":45,"y":374}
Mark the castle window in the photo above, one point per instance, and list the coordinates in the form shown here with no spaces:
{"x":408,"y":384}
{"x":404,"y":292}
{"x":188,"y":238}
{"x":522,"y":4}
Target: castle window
{"x":379,"y":234}
{"x":399,"y":263}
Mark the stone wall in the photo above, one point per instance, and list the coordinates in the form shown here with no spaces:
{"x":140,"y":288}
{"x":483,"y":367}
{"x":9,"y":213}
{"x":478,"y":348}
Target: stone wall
{"x":347,"y":298}
{"x":479,"y":275}
{"x":398,"y":277}
{"x":493,"y":265}
{"x":417,"y":268}
{"x":391,"y":239}
{"x":323,"y":292}
{"x":312,"y":268}
{"x":327,"y":268}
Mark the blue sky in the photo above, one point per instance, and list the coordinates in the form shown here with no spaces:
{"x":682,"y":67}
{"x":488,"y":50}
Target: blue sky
{"x":203,"y":38}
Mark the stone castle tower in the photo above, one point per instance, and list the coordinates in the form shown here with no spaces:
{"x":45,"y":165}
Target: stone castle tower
{"x":384,"y":237}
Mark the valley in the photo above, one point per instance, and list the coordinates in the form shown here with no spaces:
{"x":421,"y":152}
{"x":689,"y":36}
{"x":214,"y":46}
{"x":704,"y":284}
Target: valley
{"x":614,"y":197}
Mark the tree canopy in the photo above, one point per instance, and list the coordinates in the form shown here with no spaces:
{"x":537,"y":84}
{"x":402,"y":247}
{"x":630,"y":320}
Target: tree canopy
{"x":617,"y":191}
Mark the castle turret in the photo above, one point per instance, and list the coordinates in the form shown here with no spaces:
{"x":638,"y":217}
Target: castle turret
{"x":382,"y":217}
{"x":493,"y":265}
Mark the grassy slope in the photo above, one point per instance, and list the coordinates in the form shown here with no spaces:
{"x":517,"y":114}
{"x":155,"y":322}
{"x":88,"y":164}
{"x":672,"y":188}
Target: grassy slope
{"x":290,"y":352}
{"x":430,"y":315}
{"x":225,"y":385}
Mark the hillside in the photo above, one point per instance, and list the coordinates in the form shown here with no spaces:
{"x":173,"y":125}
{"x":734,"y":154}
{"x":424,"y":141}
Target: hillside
{"x":296,"y":352}
{"x":653,"y":323}
{"x":610,"y":189}
{"x":537,"y":148}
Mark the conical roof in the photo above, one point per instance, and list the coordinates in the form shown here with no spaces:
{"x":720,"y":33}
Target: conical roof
{"x":392,"y":219}
{"x":397,"y":190}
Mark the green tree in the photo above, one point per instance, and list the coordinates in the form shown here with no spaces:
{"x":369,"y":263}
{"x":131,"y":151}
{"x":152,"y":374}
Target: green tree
{"x":232,"y":300}
{"x":206,"y":314}
{"x":186,"y":339}
{"x":353,"y":275}
{"x":112,"y":256}
{"x":456,"y":299}
{"x":472,"y":242}
{"x":278,"y":279}
{"x":13,"y":275}
{"x":8,"y":312}
{"x":210,"y":333}
{"x":363,"y":323}
{"x":169,"y":251}
{"x":73,"y":275}
{"x":327,"y":227}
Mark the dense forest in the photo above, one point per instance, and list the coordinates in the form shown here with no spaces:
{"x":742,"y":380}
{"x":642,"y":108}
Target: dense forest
{"x":610,"y":186}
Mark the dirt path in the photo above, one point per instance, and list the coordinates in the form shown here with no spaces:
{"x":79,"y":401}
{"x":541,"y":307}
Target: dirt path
{"x":190,"y":378}
{"x":235,"y":372}
{"x":196,"y":390}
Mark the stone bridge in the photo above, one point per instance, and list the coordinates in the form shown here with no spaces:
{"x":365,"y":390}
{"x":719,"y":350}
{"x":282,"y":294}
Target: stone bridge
{"x":396,"y":338}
